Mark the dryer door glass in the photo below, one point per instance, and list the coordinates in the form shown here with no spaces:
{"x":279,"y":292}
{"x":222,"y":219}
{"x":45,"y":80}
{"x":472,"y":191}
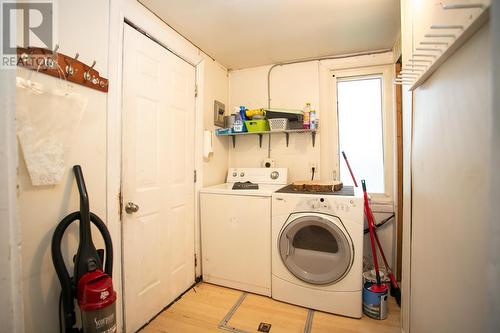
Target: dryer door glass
{"x":315,"y":249}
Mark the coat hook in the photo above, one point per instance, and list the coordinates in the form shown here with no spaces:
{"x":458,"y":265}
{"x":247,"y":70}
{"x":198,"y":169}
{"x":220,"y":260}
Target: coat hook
{"x":399,"y":77}
{"x":428,"y":49}
{"x":409,"y":77}
{"x":417,"y":66}
{"x":419,"y":60}
{"x":424,"y":55}
{"x":440,"y":36}
{"x":462,"y":6}
{"x":412,"y":70}
{"x":434,"y":43}
{"x":87,"y":76}
{"x":446,"y":26}
{"x":50,"y":61}
{"x":70,"y":70}
{"x":403,"y":81}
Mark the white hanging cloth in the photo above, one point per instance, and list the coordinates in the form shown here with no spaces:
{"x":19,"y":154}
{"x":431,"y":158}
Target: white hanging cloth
{"x":47,"y":121}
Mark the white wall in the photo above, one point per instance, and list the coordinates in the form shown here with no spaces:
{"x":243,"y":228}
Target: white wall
{"x":451,"y":175}
{"x":494,"y":233}
{"x":11,"y":310}
{"x":291,"y":87}
{"x":215,"y":86}
{"x":41,"y":208}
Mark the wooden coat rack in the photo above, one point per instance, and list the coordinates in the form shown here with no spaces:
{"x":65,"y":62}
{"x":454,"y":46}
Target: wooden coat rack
{"x":61,"y":66}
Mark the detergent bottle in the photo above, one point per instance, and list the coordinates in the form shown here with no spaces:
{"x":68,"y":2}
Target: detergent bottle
{"x":306,"y":121}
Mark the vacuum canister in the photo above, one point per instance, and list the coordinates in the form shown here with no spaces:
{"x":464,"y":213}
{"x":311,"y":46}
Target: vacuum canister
{"x":97,"y":301}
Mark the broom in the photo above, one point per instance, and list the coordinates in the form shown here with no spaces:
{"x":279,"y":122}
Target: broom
{"x":395,"y":290}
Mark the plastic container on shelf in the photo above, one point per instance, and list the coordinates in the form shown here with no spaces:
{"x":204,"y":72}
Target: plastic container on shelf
{"x":278,"y":124}
{"x":312,"y":119}
{"x":306,"y":120}
{"x":254,"y":112}
{"x":261,"y":125}
{"x":244,"y":117}
{"x":238,"y":126}
{"x":295,"y":117}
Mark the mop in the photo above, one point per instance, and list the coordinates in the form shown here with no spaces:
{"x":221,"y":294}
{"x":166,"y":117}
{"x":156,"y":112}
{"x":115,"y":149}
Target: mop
{"x":395,"y":290}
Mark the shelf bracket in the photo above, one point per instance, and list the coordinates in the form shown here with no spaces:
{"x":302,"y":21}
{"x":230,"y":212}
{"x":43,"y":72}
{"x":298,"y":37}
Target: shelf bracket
{"x":234,"y":140}
{"x":287,"y":138}
{"x":313,"y":134}
{"x":260,"y":140}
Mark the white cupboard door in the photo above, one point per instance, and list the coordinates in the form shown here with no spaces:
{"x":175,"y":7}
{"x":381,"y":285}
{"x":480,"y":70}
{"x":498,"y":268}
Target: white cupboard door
{"x":157,"y":178}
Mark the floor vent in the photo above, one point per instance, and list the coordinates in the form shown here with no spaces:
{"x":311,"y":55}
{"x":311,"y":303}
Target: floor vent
{"x":264,"y":327}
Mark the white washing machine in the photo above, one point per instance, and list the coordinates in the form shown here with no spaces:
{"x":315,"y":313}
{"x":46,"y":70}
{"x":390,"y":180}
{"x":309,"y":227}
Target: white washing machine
{"x":236,"y":229}
{"x":317,"y":250}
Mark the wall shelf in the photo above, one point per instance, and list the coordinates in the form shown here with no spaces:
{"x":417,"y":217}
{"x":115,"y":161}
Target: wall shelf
{"x":260,"y":134}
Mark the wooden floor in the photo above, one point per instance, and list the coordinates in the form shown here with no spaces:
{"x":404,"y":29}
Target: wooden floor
{"x":203,"y":307}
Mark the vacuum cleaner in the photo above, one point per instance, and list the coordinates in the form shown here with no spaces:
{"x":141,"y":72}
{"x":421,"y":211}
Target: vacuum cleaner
{"x":91,"y":284}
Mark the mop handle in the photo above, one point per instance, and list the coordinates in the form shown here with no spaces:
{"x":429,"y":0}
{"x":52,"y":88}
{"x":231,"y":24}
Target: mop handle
{"x":350,"y":171}
{"x":370,"y":227}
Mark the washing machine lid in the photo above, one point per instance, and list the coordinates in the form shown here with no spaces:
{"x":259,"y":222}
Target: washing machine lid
{"x":315,"y":248}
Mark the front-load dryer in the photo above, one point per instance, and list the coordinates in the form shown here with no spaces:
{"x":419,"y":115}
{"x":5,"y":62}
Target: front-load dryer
{"x":317,"y":251}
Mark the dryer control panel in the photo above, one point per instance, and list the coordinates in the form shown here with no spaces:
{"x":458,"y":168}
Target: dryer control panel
{"x":350,"y":208}
{"x":326,"y":203}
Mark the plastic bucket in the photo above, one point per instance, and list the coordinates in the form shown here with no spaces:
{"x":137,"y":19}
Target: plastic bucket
{"x":375,"y":302}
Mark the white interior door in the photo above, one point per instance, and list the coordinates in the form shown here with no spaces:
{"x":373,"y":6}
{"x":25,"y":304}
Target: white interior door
{"x":157,"y":176}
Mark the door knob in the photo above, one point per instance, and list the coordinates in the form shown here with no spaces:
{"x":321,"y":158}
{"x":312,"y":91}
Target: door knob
{"x":131,"y":207}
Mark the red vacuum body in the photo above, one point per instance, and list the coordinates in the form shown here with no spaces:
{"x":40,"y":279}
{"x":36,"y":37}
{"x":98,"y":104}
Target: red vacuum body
{"x":91,"y":284}
{"x":96,"y":299}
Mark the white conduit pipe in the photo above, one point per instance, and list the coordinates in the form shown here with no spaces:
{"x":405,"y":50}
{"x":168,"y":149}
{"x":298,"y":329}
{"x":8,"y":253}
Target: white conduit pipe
{"x":341,"y":56}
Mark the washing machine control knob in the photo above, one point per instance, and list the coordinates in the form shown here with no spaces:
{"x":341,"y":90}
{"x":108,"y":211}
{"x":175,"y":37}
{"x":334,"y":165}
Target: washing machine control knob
{"x":235,"y":174}
{"x":275,"y":175}
{"x":242,"y":174}
{"x":315,"y":204}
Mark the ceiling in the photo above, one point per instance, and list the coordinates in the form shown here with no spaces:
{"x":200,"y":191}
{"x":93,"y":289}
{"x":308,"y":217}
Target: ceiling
{"x":247,"y":33}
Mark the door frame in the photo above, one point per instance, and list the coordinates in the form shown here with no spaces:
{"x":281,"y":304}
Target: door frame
{"x":141,"y":17}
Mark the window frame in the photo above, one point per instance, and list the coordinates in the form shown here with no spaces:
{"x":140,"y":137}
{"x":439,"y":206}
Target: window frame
{"x":388,"y":127}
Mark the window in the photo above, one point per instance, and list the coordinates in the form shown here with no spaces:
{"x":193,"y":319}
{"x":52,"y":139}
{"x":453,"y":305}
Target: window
{"x":360,"y":130}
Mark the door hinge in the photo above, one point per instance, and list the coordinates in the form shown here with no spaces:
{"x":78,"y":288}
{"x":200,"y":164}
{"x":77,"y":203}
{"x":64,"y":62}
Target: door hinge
{"x":195,"y":177}
{"x":120,"y":204}
{"x":195,"y":260}
{"x":195,"y":90}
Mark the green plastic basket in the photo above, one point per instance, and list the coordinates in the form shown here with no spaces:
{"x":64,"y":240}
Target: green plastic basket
{"x":260,"y":125}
